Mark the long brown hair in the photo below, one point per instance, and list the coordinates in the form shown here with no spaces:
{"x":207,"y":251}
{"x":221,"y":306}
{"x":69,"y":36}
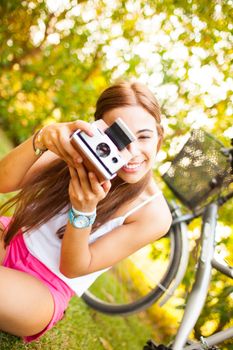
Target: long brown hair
{"x":46,"y":194}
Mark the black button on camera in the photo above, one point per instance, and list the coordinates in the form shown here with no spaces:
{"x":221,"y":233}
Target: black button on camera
{"x":114,"y":160}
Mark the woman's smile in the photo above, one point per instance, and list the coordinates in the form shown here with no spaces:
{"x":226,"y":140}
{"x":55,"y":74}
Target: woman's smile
{"x":132,"y":167}
{"x":143,"y":148}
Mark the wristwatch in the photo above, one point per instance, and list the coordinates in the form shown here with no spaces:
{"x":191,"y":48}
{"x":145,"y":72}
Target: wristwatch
{"x":81,"y":220}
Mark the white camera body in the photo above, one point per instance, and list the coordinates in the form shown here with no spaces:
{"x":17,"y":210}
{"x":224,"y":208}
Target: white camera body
{"x":105,"y":152}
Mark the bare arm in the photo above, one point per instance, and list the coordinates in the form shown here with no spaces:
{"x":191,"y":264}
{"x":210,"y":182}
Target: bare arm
{"x":19,"y":165}
{"x":85,"y":192}
{"x":147,"y":225}
{"x":128,"y":238}
{"x":15,"y":165}
{"x":78,"y":257}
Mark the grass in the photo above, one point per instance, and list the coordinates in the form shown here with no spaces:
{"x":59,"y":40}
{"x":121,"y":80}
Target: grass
{"x":83,"y":328}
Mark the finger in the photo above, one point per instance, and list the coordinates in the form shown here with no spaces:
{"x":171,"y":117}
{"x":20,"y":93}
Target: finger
{"x":75,"y":196}
{"x":74,"y":176}
{"x":76,"y":192}
{"x":95,"y":184}
{"x":55,"y":149}
{"x":82,"y":125}
{"x":75,"y":183}
{"x":72,"y":172}
{"x":83,"y":178}
{"x":67,"y":151}
{"x":61,"y":139}
{"x":53,"y":144}
{"x":106,"y":186}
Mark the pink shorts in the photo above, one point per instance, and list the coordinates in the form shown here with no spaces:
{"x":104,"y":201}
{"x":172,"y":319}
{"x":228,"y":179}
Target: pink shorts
{"x":19,"y":258}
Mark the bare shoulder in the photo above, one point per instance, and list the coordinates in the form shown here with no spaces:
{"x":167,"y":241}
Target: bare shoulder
{"x":158,"y":209}
{"x":154,"y":217}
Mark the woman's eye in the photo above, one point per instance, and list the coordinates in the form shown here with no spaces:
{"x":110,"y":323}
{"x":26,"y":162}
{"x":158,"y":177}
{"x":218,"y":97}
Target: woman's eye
{"x":144,"y":137}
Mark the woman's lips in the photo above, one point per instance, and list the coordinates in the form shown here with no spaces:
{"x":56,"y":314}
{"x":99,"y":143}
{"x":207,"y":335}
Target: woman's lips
{"x":131,"y":167}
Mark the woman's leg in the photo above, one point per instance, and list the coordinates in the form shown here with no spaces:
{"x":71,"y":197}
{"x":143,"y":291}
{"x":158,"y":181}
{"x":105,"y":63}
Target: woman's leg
{"x":26,"y":304}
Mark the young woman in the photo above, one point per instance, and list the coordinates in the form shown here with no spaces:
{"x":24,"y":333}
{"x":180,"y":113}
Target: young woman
{"x":45,"y":257}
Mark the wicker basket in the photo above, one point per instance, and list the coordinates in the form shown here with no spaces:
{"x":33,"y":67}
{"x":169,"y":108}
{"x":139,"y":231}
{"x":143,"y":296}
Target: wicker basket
{"x":200,"y":170}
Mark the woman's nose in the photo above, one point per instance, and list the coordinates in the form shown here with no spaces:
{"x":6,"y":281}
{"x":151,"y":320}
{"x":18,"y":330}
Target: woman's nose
{"x":133,"y":148}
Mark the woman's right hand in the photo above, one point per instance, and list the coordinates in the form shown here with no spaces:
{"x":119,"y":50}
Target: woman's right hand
{"x":56,"y":138}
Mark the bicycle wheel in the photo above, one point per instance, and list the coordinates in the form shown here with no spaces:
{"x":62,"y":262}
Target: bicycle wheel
{"x":138,"y":281}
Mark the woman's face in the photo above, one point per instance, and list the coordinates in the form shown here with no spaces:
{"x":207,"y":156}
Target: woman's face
{"x":143,"y":149}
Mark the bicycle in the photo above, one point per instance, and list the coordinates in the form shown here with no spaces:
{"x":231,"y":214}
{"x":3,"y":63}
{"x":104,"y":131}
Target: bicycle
{"x":209,"y":164}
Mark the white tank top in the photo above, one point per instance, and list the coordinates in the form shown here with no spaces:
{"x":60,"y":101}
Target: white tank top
{"x":45,"y":245}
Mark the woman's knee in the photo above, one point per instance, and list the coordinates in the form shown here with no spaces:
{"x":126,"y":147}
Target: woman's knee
{"x":26,"y":305}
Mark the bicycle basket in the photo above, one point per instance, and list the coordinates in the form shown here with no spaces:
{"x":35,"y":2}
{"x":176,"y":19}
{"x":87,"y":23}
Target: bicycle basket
{"x":199,"y":171}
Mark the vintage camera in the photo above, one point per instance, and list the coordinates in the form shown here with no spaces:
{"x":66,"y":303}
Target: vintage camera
{"x":105,"y":152}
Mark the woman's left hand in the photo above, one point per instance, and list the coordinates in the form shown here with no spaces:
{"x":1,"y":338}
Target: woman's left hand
{"x":85,"y":190}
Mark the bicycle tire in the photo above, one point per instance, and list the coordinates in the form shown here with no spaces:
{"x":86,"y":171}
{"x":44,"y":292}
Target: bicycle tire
{"x":144,"y":302}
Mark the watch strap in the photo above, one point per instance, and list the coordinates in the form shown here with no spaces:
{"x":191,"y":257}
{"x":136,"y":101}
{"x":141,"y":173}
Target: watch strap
{"x":80,"y":221}
{"x":77,"y":212}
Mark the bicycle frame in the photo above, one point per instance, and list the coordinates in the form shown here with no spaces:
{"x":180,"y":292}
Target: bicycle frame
{"x":206,"y":262}
{"x":197,"y":296}
{"x":184,"y":256}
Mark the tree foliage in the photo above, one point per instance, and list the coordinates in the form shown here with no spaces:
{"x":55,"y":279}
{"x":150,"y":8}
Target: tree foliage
{"x":57,"y":56}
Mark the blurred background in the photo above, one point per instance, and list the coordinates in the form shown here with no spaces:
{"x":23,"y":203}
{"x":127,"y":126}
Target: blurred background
{"x":57,"y":56}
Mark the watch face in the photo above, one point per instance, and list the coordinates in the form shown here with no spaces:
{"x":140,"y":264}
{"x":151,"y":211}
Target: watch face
{"x":81,"y":221}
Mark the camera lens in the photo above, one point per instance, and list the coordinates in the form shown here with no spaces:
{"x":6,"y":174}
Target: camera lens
{"x":103,"y":150}
{"x":114,"y":160}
